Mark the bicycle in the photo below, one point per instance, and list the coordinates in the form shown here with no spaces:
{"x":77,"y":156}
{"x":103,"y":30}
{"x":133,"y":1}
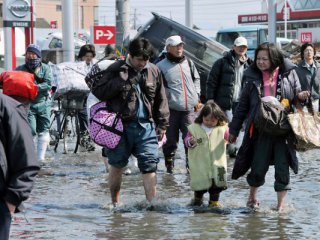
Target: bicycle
{"x":69,"y":105}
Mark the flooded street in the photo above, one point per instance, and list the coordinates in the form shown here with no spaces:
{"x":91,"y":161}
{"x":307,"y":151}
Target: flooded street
{"x":72,"y":201}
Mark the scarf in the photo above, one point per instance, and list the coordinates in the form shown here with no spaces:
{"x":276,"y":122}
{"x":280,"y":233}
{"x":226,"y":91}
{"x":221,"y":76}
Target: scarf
{"x":32,"y":64}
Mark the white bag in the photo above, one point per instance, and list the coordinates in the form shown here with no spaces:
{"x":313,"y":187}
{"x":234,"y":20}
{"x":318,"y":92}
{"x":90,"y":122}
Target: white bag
{"x":70,"y":77}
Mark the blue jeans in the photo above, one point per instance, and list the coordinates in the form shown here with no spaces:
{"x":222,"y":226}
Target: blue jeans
{"x":5,"y":221}
{"x":140,"y":141}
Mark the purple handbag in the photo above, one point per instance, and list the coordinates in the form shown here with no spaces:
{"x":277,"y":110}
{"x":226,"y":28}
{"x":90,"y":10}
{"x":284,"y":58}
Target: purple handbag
{"x":106,"y":127}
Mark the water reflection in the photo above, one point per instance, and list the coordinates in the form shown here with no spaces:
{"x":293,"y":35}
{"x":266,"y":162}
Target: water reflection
{"x":72,"y":202}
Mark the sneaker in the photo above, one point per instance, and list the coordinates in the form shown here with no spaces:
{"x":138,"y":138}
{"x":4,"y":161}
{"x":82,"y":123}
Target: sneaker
{"x":90,"y":147}
{"x":215,"y":204}
{"x":86,"y":143}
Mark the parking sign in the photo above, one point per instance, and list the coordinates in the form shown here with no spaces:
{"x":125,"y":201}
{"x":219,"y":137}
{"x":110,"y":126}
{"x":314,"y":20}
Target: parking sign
{"x":104,"y":34}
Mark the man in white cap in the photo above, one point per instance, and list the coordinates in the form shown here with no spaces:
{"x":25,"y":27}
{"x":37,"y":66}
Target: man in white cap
{"x":180,"y":80}
{"x":225,"y":79}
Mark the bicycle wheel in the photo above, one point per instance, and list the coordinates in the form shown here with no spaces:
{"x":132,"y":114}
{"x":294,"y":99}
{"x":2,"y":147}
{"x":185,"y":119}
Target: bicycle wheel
{"x":77,"y":133}
{"x":66,"y":133}
{"x":54,"y":129}
{"x":61,"y":127}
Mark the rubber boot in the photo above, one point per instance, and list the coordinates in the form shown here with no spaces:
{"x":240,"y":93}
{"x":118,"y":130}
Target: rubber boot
{"x":215,"y":204}
{"x":42,"y":144}
{"x":196,"y":202}
{"x":169,"y":163}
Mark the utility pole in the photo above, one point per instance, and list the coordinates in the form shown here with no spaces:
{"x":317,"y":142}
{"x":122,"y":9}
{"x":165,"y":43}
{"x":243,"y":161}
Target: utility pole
{"x":135,"y":19}
{"x":286,"y":14}
{"x":79,"y":16}
{"x":189,"y":13}
{"x":67,"y":31}
{"x":122,"y":24}
{"x":272,"y":21}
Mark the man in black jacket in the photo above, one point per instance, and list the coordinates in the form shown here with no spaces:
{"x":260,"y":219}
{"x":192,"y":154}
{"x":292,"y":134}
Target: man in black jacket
{"x":225,"y":79}
{"x":18,"y":161}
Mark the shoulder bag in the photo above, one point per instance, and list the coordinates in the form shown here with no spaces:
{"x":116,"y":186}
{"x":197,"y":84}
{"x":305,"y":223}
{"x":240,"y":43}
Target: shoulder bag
{"x":272,"y":117}
{"x":106,"y":127}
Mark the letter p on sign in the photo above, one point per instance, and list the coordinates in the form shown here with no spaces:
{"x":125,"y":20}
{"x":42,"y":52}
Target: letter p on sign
{"x":104,"y":34}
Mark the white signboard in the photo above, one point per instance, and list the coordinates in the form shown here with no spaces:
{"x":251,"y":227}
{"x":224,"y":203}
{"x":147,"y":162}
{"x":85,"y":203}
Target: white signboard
{"x":17,"y":13}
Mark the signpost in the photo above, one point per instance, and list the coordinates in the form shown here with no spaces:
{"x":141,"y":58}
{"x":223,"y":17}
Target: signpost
{"x":16,"y":13}
{"x":104,"y":34}
{"x":54,"y":24}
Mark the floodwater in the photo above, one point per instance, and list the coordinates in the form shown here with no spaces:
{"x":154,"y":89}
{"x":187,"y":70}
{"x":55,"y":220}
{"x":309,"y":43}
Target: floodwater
{"x":72,"y":201}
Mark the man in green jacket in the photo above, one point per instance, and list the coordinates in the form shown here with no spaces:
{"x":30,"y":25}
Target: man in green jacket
{"x":40,"y":108}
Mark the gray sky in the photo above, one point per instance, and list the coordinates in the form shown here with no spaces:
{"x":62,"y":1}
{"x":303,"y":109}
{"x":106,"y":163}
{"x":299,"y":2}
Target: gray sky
{"x":208,"y":14}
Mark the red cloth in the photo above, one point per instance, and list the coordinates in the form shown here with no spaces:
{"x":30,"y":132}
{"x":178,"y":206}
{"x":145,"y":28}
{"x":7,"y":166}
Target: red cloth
{"x":19,"y":83}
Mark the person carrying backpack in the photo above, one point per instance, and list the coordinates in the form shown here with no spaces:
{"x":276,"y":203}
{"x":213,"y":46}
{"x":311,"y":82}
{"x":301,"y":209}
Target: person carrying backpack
{"x":180,"y":80}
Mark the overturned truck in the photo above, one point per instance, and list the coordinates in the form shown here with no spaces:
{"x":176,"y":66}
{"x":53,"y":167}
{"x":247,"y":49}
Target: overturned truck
{"x":201,"y":50}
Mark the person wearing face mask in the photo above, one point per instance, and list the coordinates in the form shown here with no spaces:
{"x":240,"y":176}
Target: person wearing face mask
{"x":225,"y":80}
{"x":40,"y":108}
{"x":309,"y":73}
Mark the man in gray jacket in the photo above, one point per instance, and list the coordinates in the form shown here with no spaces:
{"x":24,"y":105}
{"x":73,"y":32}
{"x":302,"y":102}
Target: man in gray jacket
{"x":180,"y":79}
{"x":18,"y":161}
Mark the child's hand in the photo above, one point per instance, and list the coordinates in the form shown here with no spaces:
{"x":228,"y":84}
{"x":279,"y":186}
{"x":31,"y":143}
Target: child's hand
{"x":192,"y":143}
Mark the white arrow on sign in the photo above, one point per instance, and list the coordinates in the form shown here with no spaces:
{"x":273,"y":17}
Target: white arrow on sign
{"x":100,"y":33}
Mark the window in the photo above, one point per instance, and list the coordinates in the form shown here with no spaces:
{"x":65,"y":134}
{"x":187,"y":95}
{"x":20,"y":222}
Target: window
{"x":58,"y":8}
{"x":55,"y":43}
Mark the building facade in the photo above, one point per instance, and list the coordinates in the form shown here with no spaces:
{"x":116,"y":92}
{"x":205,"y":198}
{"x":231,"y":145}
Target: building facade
{"x":292,"y":15}
{"x":48,"y":13}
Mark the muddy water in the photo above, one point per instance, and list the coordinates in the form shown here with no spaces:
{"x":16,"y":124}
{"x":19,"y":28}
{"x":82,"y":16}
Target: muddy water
{"x":71,"y":201}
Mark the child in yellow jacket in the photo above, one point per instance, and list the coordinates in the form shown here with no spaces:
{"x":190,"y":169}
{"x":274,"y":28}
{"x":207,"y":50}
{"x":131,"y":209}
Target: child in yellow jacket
{"x":207,"y":154}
